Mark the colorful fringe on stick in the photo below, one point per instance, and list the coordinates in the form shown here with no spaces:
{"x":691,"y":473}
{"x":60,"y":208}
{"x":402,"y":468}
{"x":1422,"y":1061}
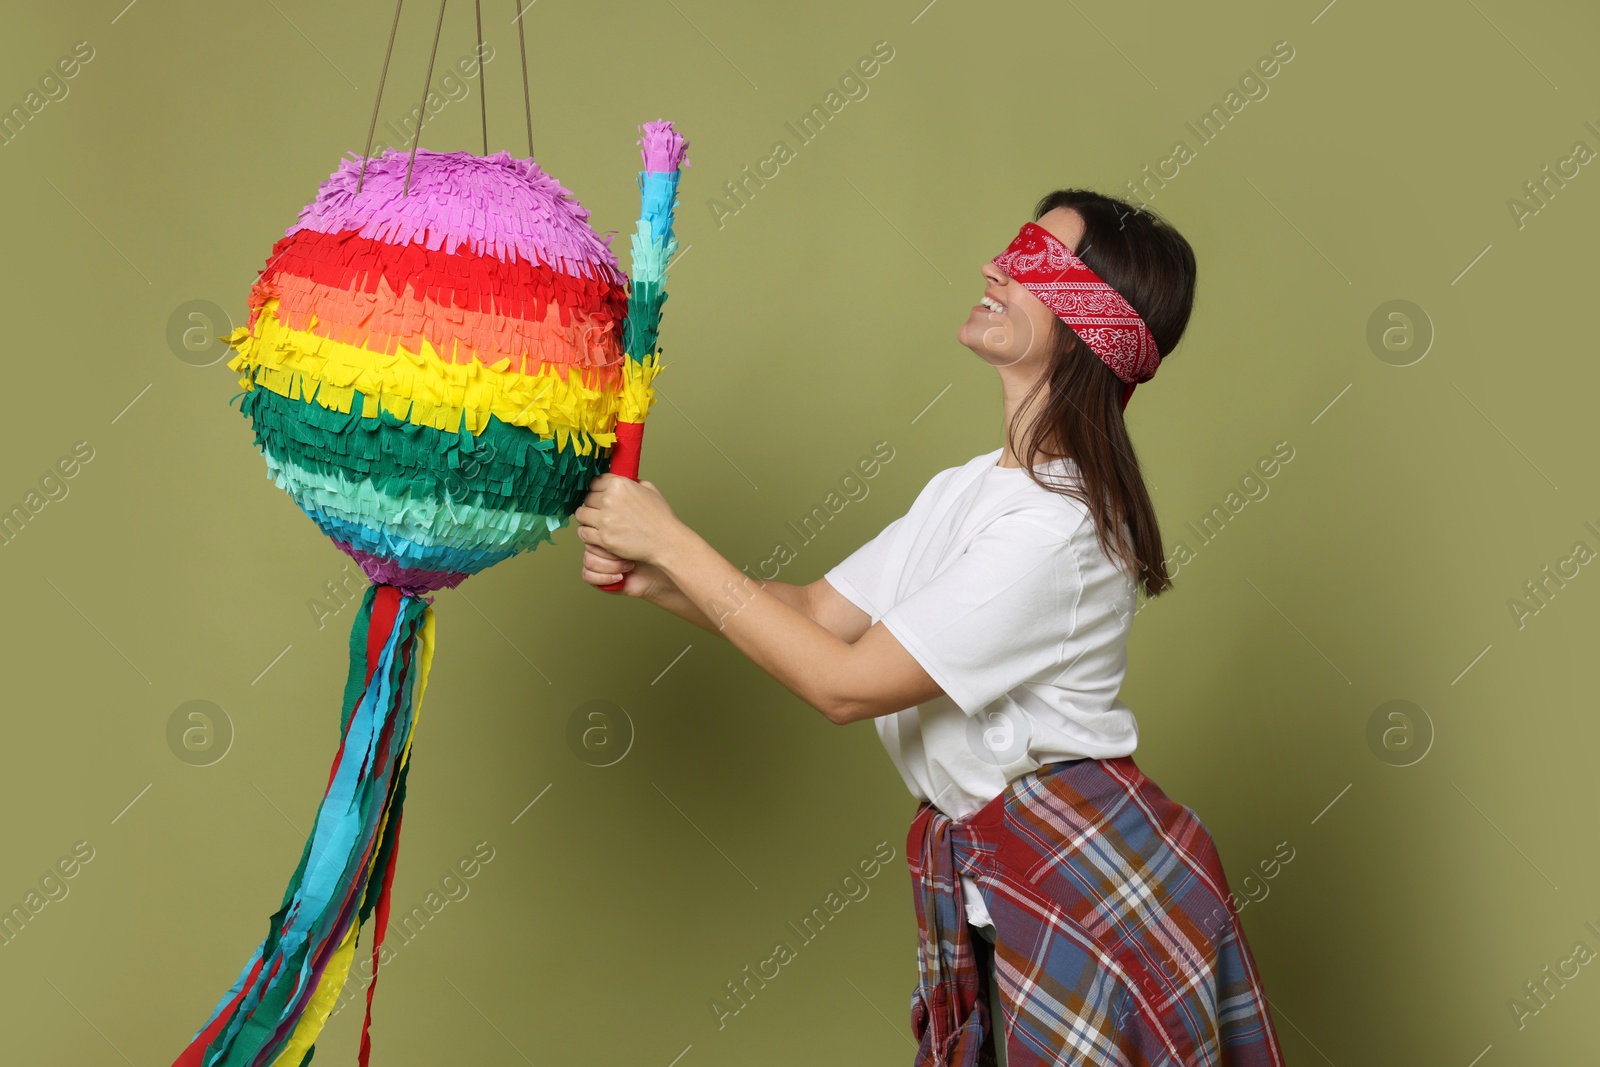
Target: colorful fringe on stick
{"x":654,"y":245}
{"x":435,"y":378}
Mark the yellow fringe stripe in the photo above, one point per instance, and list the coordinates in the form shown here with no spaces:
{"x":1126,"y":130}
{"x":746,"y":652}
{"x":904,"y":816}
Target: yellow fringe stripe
{"x":638,"y":391}
{"x":321,"y":1003}
{"x":422,"y":388}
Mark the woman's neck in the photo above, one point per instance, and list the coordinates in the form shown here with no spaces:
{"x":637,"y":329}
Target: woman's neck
{"x":1013,"y":392}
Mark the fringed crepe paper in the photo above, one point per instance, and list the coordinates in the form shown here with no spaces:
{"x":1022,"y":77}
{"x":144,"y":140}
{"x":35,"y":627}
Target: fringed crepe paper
{"x":435,"y":377}
{"x":654,"y":245}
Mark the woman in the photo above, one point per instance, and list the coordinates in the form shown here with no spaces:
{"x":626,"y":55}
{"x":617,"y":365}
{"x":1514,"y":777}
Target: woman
{"x":984,"y":632}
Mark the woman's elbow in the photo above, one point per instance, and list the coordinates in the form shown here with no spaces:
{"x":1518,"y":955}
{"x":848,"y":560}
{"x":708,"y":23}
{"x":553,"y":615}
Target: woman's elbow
{"x":844,"y":710}
{"x":834,"y":711}
{"x":872,"y":699}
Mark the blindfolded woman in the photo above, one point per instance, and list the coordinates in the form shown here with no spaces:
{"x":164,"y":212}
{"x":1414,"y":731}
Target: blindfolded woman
{"x":1069,"y":910}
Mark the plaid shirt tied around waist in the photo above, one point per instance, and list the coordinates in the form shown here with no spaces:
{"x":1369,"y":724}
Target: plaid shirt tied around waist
{"x":1115,"y":945}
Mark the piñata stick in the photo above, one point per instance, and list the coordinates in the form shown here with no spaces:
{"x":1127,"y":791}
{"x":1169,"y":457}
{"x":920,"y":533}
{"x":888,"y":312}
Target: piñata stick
{"x":654,"y":245}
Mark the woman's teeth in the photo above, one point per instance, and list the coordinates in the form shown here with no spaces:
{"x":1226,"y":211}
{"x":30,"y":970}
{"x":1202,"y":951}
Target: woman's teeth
{"x":993,"y":305}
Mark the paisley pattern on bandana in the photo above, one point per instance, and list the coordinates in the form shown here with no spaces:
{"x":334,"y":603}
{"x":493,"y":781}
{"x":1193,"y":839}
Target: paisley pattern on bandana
{"x":1108,"y":324}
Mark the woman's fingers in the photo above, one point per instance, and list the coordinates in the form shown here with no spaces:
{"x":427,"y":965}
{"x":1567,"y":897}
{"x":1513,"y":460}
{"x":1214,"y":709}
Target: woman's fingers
{"x":603,"y":578}
{"x":600,"y":577}
{"x":603,"y":562}
{"x":604,"y":570}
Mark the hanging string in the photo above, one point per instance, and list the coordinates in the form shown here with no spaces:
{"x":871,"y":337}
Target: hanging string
{"x":527,"y":108}
{"x":422,"y":111}
{"x":366,"y":152}
{"x":483,"y":101}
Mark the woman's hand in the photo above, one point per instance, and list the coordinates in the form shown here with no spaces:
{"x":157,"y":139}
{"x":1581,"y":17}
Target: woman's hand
{"x":601,"y":568}
{"x":630,"y":520}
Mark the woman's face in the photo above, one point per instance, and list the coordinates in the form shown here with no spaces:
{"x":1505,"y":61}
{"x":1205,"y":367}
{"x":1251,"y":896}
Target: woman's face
{"x":1018,"y":330}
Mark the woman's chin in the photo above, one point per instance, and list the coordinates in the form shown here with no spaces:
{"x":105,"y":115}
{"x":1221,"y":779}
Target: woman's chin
{"x":970,"y":335}
{"x":972,"y":340}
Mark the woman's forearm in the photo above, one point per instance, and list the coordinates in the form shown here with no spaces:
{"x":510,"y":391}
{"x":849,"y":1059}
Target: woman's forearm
{"x":770,"y":622}
{"x":667,"y":596}
{"x":846,"y":670}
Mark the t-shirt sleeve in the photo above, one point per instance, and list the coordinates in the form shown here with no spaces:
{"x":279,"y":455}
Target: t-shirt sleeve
{"x":856,"y":577}
{"x":998,"y":615}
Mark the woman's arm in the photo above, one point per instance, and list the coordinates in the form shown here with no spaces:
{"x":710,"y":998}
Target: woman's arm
{"x":819,"y":601}
{"x":846,"y":680}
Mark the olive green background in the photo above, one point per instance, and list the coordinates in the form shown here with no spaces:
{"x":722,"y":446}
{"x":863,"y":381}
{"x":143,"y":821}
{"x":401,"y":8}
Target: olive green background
{"x":819,"y":320}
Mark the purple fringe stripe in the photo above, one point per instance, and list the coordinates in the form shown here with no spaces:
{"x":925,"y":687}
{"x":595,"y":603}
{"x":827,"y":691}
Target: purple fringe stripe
{"x":493,"y":205}
{"x":663,"y":147}
{"x":407,"y":579}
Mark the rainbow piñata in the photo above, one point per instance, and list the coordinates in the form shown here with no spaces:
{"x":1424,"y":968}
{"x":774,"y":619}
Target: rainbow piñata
{"x":435,"y":377}
{"x":429,"y":376}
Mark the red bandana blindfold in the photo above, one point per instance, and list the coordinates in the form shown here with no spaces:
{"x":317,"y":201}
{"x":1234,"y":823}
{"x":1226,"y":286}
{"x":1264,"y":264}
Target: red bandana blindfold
{"x":1108,"y":324}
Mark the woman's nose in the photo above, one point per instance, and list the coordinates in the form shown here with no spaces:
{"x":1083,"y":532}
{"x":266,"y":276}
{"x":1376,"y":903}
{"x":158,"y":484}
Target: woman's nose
{"x":994,"y":273}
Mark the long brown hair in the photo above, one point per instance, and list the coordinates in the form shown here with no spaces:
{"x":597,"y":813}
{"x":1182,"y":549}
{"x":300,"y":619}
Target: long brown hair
{"x":1142,"y":257}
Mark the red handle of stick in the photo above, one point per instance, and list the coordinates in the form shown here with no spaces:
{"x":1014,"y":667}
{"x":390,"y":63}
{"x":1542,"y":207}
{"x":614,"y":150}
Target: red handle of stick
{"x":625,"y":461}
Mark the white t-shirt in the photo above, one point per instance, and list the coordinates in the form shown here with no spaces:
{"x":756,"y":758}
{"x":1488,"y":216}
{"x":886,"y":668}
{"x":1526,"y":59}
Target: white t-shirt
{"x":998,"y":587}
